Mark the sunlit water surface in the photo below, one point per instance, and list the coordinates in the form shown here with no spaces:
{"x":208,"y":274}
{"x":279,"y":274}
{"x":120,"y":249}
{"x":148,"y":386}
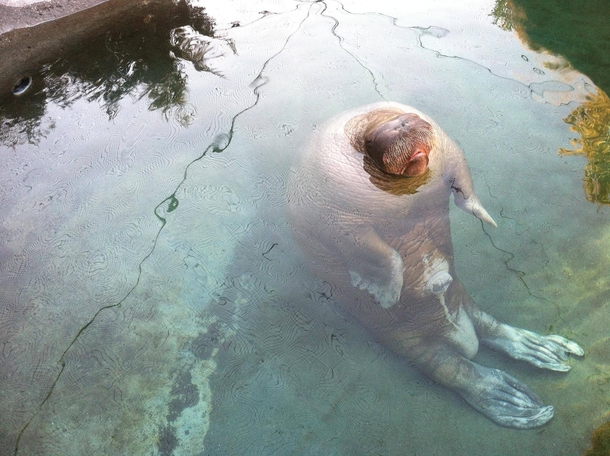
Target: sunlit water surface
{"x":154,"y":302}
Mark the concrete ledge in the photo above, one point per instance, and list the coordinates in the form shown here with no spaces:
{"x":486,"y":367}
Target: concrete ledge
{"x":16,"y":14}
{"x":28,"y":49}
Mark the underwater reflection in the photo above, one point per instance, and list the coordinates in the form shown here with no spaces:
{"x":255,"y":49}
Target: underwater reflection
{"x":591,"y":121}
{"x":576,"y":30}
{"x":134,"y":51}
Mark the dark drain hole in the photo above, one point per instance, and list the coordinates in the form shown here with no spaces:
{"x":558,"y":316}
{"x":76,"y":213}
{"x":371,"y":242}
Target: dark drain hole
{"x":23,"y":85}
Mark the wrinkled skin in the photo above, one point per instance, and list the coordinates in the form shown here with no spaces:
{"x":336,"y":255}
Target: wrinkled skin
{"x":378,"y":229}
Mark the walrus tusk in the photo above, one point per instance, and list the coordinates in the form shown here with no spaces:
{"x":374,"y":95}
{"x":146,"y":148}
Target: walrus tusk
{"x":473,"y":206}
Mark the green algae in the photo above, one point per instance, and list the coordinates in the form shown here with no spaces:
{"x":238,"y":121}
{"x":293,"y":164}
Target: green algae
{"x":591,"y":121}
{"x":600,"y":441}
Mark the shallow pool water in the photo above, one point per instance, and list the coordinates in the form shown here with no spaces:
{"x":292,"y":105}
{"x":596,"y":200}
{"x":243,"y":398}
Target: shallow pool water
{"x":152,"y":300}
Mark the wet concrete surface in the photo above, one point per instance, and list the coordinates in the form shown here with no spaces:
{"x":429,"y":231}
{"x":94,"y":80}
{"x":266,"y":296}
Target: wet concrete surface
{"x":155,"y":303}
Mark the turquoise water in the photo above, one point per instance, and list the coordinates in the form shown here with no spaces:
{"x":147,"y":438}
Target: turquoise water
{"x":153,"y":300}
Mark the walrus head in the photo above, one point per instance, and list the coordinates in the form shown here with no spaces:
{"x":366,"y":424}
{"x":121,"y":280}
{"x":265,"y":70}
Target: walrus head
{"x":400,"y":144}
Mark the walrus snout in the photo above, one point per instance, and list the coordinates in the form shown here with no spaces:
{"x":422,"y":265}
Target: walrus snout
{"x":400,"y":145}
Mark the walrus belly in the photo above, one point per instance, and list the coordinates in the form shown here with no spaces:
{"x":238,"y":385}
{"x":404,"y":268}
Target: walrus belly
{"x":462,"y":335}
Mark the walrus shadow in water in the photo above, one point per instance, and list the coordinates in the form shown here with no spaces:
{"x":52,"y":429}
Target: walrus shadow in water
{"x":368,"y":201}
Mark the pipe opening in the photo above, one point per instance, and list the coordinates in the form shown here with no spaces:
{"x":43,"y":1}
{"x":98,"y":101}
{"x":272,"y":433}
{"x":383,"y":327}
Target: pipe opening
{"x":22,"y":85}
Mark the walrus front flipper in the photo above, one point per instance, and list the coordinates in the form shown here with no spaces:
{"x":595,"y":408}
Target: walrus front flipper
{"x":374,"y":266}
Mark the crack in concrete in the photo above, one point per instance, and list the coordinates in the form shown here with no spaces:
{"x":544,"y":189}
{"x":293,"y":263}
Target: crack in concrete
{"x":440,"y":32}
{"x":521,"y":275}
{"x":354,"y":56}
{"x":220,"y":143}
{"x":531,"y":88}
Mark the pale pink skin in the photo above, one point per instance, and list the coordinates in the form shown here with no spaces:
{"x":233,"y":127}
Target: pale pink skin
{"x":391,"y":259}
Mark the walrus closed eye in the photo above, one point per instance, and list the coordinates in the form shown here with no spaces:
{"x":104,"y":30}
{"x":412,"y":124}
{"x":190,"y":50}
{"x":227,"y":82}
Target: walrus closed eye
{"x":388,"y":250}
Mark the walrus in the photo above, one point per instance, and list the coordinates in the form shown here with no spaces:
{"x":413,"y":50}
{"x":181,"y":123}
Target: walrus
{"x":368,"y":201}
